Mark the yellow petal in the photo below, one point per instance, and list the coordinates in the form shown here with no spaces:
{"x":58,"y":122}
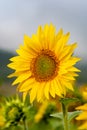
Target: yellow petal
{"x":26,"y":54}
{"x":73,"y":46}
{"x":68,"y":77}
{"x":24,"y":95}
{"x":59,"y":34}
{"x":67,"y":52}
{"x":17,"y":73}
{"x":32,"y":44}
{"x":19,"y":66}
{"x":73,"y":74}
{"x":22,"y":77}
{"x":70,"y":62}
{"x":40,"y":92}
{"x":83,"y":107}
{"x":61,"y":84}
{"x":52,"y":90}
{"x":83,"y":126}
{"x":57,"y":90}
{"x":46,"y":30}
{"x":68,"y":85}
{"x":66,"y":37}
{"x":33,"y":92}
{"x":82,"y":116}
{"x":64,"y":53}
{"x":18,"y":58}
{"x":73,"y":69}
{"x":61,"y":88}
{"x":61,"y":44}
{"x":46,"y":90}
{"x":62,"y":70}
{"x":26,"y":85}
{"x":13,"y":75}
{"x":51,"y":37}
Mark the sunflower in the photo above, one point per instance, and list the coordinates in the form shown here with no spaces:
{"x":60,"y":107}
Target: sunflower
{"x":44,"y":65}
{"x":13,"y":112}
{"x":83,"y":116}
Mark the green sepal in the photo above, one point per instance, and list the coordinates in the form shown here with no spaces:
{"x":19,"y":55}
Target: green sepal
{"x":68,"y":101}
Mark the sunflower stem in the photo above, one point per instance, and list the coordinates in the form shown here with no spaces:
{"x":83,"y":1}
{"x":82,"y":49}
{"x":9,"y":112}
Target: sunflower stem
{"x":65,"y":116}
{"x":25,"y":125}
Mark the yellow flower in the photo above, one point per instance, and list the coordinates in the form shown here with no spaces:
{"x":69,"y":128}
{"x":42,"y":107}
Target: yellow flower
{"x":41,"y":111}
{"x":83,"y":90}
{"x":83,"y":116}
{"x":45,"y":65}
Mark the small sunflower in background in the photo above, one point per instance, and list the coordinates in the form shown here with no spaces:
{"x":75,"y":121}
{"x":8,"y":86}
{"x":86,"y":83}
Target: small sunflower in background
{"x":83,"y":91}
{"x":12,"y":112}
{"x":83,"y":116}
{"x":45,"y":63}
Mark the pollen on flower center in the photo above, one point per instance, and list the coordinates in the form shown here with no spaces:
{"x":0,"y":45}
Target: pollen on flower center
{"x":44,"y":67}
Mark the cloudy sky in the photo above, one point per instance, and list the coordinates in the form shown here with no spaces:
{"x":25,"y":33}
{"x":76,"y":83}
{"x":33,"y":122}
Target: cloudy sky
{"x":19,"y":17}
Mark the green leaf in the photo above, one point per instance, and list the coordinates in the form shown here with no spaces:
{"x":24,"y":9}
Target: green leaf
{"x":68,"y":101}
{"x":72,"y":115}
{"x":58,"y":115}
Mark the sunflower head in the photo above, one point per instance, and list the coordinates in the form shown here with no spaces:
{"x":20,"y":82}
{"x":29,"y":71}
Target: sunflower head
{"x":13,"y":111}
{"x":45,"y":63}
{"x":44,"y":66}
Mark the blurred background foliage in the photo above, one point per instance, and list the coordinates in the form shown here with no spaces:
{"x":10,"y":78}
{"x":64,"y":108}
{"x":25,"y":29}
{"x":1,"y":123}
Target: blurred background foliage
{"x":23,"y":17}
{"x":38,"y":116}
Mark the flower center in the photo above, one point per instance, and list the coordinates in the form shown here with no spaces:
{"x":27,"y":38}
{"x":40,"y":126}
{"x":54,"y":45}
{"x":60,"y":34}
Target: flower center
{"x":44,"y":66}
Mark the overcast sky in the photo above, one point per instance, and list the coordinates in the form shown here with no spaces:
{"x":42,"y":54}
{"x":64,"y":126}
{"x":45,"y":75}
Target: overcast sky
{"x":19,"y":17}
